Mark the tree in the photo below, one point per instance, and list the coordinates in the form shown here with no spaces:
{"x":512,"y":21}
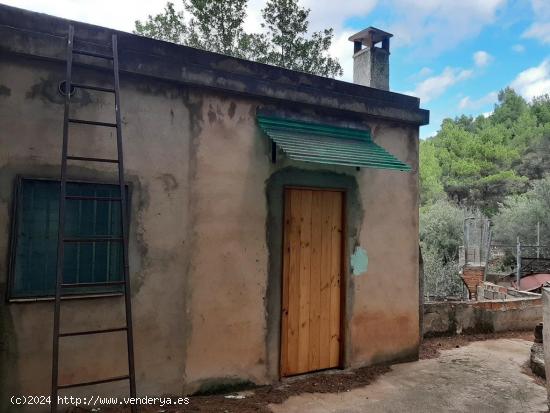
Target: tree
{"x":431,"y":188}
{"x":169,"y":26}
{"x":218,"y":26}
{"x":287,"y":45}
{"x":476,"y":164}
{"x":206,"y":24}
{"x":509,"y":108}
{"x":519,"y":214}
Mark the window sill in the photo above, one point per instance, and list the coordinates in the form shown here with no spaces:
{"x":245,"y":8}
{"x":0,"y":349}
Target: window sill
{"x":66,"y":298}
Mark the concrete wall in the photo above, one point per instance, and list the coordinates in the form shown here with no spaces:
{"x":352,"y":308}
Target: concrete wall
{"x":490,"y":291}
{"x":546,"y":335}
{"x":450,"y":318}
{"x":199,"y":253}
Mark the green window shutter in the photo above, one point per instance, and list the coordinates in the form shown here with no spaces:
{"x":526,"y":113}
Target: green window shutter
{"x":35,"y":255}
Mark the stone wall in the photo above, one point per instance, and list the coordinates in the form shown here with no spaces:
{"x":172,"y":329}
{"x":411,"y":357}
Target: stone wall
{"x":450,"y":318}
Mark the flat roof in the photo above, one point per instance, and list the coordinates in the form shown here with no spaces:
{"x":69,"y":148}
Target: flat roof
{"x":39,"y":35}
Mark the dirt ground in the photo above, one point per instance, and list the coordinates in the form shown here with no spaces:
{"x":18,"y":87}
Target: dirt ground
{"x":332,"y":383}
{"x":431,"y":347}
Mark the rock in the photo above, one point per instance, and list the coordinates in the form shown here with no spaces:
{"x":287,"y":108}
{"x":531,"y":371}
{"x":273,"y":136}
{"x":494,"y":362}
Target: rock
{"x":538,"y":333}
{"x":537,"y":360}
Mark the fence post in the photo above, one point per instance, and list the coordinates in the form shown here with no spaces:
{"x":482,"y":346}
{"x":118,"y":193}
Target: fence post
{"x":488,"y":251}
{"x":518,"y":263}
{"x":538,"y":239}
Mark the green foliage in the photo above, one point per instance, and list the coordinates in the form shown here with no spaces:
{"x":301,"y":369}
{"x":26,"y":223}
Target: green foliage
{"x":510,"y":107}
{"x":168,"y":26}
{"x":480,"y":162}
{"x":287,"y":45}
{"x":218,"y":26}
{"x":431,"y":188}
{"x":441,"y":229}
{"x":441,"y":234}
{"x":519,"y":214}
{"x":441,"y":279}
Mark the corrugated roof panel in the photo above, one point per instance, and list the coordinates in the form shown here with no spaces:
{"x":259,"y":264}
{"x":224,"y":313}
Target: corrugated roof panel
{"x":326,"y":144}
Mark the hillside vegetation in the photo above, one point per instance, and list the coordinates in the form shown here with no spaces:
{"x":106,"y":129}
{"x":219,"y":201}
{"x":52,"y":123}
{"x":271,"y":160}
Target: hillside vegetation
{"x":496,"y":165}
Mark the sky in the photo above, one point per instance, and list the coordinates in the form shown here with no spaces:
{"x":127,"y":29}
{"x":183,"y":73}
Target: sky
{"x":455,"y":55}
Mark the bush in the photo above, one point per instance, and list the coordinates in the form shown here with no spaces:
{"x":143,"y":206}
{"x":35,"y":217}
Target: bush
{"x":441,"y":229}
{"x":441,"y":234}
{"x":518,"y":216}
{"x":441,"y":279}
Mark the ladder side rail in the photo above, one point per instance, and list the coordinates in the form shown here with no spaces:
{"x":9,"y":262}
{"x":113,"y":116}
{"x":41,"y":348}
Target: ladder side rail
{"x":61,"y":225}
{"x":124,"y":221}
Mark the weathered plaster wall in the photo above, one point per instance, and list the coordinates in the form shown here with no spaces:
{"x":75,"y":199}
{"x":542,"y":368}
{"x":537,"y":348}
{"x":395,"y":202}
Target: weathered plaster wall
{"x":157,"y":121}
{"x":384,"y":322}
{"x":203,"y":300}
{"x":490,"y":316}
{"x":227,"y":274}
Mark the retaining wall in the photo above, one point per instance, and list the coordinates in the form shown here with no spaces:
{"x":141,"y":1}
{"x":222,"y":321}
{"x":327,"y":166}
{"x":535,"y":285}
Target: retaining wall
{"x":470,"y":317}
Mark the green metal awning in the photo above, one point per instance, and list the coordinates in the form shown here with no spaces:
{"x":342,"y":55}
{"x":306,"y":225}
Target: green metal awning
{"x":326,"y":144}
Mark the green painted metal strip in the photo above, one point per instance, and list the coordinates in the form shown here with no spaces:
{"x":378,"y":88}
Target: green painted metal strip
{"x":327,"y":144}
{"x":280,"y":124}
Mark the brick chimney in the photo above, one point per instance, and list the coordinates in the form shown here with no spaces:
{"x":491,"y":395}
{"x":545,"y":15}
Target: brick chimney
{"x":371,"y":62}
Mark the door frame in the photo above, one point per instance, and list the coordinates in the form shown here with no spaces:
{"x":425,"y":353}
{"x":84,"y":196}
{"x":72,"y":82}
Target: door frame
{"x":344,"y":268}
{"x":354,"y":213}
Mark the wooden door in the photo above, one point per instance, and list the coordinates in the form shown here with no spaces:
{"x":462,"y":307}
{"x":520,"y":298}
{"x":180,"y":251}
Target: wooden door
{"x":312,"y":274}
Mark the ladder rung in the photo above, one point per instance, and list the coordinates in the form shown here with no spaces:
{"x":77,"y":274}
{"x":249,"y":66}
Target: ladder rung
{"x":93,"y":284}
{"x":91,"y":383}
{"x":91,"y":87}
{"x":94,"y":54}
{"x":92,"y":122}
{"x":84,"y":158}
{"x":93,"y":239}
{"x":88,"y":332}
{"x":91,"y":198}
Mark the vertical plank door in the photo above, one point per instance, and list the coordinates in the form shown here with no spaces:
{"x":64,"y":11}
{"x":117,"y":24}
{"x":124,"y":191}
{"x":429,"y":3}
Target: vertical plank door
{"x":312,"y":273}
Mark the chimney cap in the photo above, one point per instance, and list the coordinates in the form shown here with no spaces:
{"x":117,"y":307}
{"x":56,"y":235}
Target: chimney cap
{"x":370,"y":36}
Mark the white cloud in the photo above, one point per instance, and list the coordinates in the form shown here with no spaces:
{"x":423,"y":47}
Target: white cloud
{"x":534,"y":81}
{"x":433,"y":26}
{"x":119,"y":15}
{"x":468,"y":103}
{"x":540,"y":28}
{"x":425,"y":71}
{"x":331,"y":13}
{"x":482,"y":58}
{"x":342,"y":49}
{"x":518,"y":48}
{"x":434,"y":86}
{"x":323,"y":13}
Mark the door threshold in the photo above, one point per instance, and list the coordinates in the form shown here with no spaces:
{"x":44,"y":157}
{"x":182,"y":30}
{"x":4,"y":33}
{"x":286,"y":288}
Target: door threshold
{"x":301,"y":376}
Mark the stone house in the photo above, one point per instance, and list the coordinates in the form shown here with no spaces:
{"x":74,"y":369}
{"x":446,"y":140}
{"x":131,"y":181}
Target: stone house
{"x":273,"y":214}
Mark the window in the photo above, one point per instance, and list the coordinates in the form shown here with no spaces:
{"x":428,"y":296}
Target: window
{"x":34,"y":238}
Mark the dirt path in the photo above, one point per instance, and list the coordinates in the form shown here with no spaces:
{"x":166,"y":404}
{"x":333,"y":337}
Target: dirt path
{"x":487,"y":375}
{"x":484,"y":376}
